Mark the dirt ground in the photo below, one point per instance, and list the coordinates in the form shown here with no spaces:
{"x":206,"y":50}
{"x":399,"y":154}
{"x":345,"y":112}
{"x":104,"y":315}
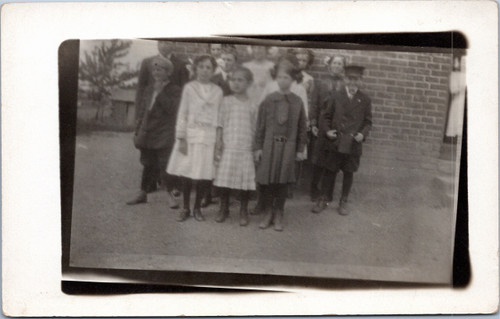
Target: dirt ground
{"x":398,"y":230}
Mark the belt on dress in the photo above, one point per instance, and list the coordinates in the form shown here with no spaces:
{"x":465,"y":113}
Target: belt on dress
{"x":282,"y":139}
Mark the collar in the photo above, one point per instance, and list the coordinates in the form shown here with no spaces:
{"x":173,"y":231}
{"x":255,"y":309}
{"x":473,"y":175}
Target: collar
{"x":349,"y":95}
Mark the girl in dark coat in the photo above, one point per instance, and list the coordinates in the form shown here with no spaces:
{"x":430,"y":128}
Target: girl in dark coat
{"x":155,"y":131}
{"x":280,"y":140}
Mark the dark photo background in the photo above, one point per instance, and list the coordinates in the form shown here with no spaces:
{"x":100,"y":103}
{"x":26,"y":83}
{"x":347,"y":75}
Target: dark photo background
{"x":68,"y":83}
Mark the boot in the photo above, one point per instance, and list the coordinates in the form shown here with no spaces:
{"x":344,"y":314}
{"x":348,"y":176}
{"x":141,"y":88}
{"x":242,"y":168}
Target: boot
{"x":278,"y":220}
{"x":343,"y":207}
{"x":321,"y":205}
{"x":223,"y":211}
{"x":172,"y":201}
{"x":198,"y":215}
{"x":141,"y":198}
{"x":268,"y":218}
{"x":243,"y":215}
{"x":183,"y":215}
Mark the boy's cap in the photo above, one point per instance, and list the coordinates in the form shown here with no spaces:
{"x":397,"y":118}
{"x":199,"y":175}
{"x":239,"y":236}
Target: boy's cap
{"x":354,"y":70}
{"x":161,"y":62}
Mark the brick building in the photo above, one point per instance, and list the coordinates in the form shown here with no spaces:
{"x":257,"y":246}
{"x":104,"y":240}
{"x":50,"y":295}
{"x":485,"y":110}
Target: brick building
{"x":409,"y":92}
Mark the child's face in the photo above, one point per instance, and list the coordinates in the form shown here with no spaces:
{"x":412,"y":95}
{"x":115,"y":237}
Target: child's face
{"x":160,"y":74}
{"x":204,"y":71}
{"x":215,"y":50}
{"x":258,"y":52}
{"x":303,"y":59}
{"x":238,"y":82}
{"x":284,"y":80}
{"x":337,"y":65}
{"x":229,"y":62}
{"x":353,"y":82}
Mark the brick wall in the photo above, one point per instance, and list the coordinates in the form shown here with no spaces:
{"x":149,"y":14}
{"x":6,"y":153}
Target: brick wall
{"x":409,"y":93}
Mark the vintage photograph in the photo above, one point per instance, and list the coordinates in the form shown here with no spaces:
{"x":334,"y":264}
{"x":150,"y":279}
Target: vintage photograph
{"x":291,"y":158}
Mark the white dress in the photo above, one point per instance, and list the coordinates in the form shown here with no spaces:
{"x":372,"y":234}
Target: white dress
{"x":197,"y":123}
{"x":457,"y":104}
{"x":236,"y":169}
{"x":261,"y":77}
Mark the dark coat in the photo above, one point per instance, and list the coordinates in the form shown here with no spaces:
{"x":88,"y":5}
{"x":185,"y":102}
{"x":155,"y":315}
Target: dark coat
{"x":223,"y":84}
{"x":179,"y":76}
{"x":280,"y":116}
{"x":156,"y":127}
{"x":348,"y":117}
{"x":320,"y":94}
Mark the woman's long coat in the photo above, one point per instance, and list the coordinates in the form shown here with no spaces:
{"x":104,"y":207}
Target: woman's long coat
{"x":281,"y":133}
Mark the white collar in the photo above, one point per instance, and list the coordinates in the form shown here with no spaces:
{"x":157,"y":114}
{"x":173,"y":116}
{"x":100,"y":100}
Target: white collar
{"x":349,"y":93}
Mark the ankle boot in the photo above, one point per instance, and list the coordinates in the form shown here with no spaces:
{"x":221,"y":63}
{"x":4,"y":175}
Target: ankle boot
{"x":278,"y":220}
{"x":172,"y":201}
{"x":320,"y":206}
{"x":183,"y":215}
{"x":268,"y":218}
{"x":343,"y":207}
{"x":198,"y":215}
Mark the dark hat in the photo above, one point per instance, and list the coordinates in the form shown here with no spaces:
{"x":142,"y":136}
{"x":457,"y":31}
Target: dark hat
{"x":354,"y":70}
{"x":161,"y":62}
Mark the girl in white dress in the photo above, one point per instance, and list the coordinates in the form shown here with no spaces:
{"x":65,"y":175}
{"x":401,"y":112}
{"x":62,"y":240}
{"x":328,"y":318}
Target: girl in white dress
{"x":193,"y":154}
{"x":236,"y":170}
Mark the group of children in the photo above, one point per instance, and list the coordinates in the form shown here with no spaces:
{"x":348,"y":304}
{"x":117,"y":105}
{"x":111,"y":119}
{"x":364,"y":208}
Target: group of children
{"x":246,"y":127}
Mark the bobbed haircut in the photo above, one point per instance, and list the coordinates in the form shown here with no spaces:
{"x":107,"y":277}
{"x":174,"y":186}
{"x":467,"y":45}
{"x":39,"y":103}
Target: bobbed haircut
{"x":290,"y":65}
{"x":203,"y":58}
{"x":245,"y":71}
{"x":309,"y":52}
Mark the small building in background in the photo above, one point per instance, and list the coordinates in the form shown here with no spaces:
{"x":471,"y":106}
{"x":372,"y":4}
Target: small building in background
{"x":123,"y":107}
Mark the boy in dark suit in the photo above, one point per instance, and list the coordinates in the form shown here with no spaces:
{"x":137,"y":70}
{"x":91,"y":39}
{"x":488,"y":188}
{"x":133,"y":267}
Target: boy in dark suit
{"x":179,"y":76}
{"x":155,"y":131}
{"x":344,"y":127}
{"x":229,"y":57}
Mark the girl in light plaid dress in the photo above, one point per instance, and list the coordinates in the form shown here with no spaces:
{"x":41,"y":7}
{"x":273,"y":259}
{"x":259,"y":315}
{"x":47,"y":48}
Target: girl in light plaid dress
{"x":235,"y":132}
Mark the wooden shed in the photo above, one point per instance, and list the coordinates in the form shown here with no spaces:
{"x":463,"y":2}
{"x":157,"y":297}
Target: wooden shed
{"x":123,"y":106}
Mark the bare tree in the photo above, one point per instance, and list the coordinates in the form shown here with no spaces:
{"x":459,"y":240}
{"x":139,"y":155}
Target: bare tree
{"x":101,"y":70}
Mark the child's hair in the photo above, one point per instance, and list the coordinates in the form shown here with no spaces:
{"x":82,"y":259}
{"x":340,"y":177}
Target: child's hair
{"x":330,"y":58}
{"x":309,"y":52}
{"x":203,"y":58}
{"x":289,"y":64}
{"x":245,"y":71}
{"x":230,"y":49}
